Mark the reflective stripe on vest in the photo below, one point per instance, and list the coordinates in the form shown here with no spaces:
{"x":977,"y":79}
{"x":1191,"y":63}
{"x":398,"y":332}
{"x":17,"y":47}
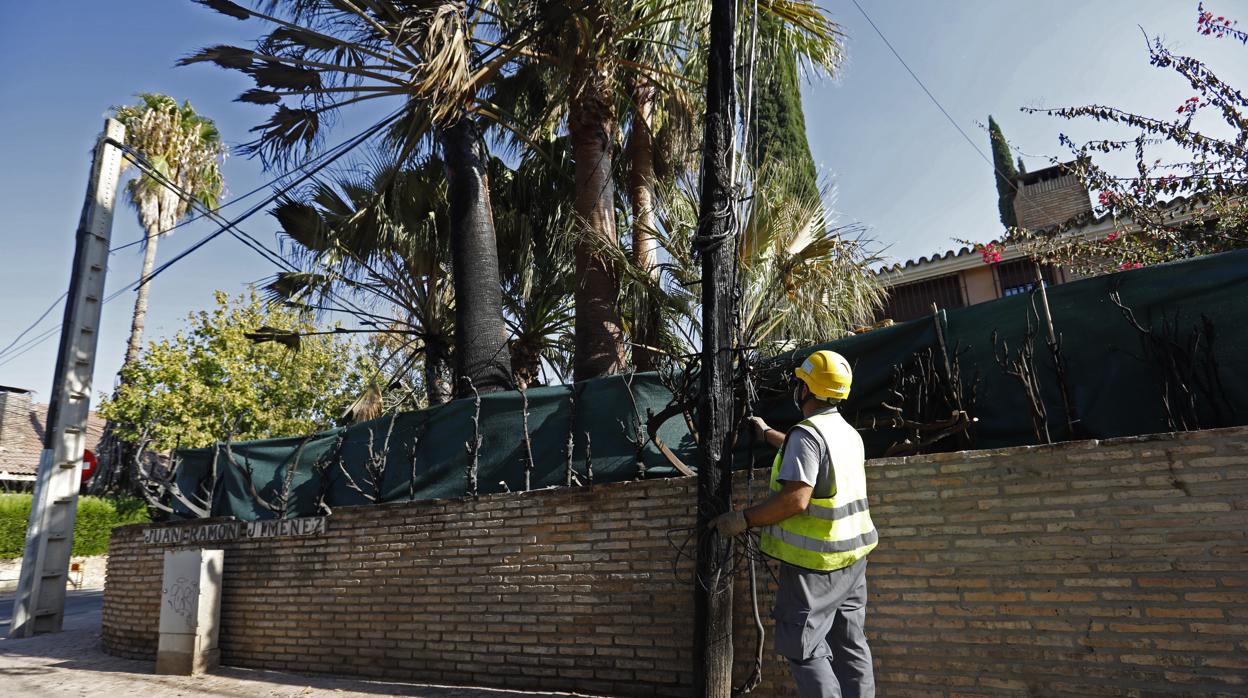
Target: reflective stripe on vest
{"x":835,"y":531}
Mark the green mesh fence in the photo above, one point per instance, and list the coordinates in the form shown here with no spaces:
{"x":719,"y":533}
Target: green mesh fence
{"x":1114,"y":384}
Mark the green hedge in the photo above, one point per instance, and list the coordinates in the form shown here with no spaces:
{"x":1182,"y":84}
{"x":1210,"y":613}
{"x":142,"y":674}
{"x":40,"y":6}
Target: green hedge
{"x":96,"y":518}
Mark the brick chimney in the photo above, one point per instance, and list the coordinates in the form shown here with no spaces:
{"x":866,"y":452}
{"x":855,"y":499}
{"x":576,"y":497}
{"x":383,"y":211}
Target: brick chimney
{"x":14,"y":412}
{"x":1049,"y":197}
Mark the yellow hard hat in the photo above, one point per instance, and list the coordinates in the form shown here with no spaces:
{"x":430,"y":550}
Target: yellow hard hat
{"x":827,"y":374}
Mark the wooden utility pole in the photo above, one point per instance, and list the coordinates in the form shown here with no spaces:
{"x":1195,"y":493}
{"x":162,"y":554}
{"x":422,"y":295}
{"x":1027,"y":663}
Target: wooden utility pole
{"x":716,"y":243}
{"x":40,"y":603}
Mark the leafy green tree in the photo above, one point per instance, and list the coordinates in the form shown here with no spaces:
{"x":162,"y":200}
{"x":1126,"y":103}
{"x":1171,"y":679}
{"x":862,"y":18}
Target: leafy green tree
{"x":185,"y":149}
{"x":209,"y":382}
{"x":1003,"y":162}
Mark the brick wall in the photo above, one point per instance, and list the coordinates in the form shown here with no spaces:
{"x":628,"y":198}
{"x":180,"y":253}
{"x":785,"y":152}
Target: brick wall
{"x":1117,"y":568}
{"x":1050,"y":202}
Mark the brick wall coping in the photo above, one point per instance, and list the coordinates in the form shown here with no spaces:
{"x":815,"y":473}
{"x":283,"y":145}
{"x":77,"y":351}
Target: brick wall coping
{"x":1086,"y":444}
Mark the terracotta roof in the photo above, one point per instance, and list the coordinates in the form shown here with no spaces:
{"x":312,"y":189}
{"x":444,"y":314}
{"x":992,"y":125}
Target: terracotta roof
{"x":22,"y":445}
{"x":1077,"y":223}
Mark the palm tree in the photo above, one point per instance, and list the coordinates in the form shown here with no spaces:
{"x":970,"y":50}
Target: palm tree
{"x":186,"y":149}
{"x":535,"y":222}
{"x":804,"y":281}
{"x":383,"y":238}
{"x":436,"y":58}
{"x":663,"y":130}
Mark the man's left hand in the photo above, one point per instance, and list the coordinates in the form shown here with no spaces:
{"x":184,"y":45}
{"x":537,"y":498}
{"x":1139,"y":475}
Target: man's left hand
{"x":730,"y":525}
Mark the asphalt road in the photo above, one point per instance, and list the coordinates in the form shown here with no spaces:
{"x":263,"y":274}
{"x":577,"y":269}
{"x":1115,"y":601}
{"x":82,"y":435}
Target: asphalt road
{"x":77,"y":603}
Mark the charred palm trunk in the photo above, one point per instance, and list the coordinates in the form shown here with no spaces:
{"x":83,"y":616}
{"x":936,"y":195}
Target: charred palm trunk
{"x":641,"y":194}
{"x":527,"y":359}
{"x":716,"y":243}
{"x":599,"y":347}
{"x":480,"y":333}
{"x":438,"y":371}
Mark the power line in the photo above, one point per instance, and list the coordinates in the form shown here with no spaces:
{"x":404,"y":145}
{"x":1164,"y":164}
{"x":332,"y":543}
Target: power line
{"x":204,"y":214}
{"x":952,"y":122}
{"x":229,"y":226}
{"x":35,"y":324}
{"x":238,"y":233}
{"x":924,"y":88}
{"x":226,"y":226}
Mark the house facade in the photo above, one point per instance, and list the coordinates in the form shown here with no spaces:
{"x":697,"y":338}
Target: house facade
{"x":958,"y":278}
{"x":22,"y":424}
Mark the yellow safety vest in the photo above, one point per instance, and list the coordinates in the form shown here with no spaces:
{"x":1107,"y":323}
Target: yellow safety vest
{"x":835,"y":531}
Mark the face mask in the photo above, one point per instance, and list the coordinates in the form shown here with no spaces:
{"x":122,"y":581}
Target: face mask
{"x":797,"y":397}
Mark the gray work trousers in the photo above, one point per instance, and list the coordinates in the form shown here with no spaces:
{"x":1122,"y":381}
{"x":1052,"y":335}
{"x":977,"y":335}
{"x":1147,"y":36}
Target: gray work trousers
{"x":819,"y":629}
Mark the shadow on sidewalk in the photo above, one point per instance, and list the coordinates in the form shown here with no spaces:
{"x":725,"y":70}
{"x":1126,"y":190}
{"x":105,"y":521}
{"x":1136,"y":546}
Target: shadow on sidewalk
{"x":77,"y":649}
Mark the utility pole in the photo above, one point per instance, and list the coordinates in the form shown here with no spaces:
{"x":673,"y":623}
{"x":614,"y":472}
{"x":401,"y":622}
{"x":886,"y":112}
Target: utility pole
{"x":40,"y":603}
{"x":716,"y":243}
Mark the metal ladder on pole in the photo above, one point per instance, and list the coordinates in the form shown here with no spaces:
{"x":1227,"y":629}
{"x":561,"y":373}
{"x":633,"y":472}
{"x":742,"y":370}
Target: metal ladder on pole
{"x":40,"y":602}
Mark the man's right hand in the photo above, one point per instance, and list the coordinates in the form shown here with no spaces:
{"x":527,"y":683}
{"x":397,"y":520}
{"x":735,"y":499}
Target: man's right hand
{"x":760,"y":427}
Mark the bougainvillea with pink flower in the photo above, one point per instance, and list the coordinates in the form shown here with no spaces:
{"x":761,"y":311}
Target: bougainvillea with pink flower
{"x":1219,"y":26}
{"x":991,"y":252}
{"x":1160,"y":209}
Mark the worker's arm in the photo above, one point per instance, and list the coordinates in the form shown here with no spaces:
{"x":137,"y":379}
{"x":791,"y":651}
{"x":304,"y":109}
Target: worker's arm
{"x":793,"y":498}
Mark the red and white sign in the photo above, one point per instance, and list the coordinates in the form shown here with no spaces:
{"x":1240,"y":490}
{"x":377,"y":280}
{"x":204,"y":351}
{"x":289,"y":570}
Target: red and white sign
{"x":88,"y":464}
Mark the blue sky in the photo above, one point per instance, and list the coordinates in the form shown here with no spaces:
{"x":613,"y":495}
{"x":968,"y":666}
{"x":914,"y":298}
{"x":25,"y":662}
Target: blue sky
{"x":897,"y":165}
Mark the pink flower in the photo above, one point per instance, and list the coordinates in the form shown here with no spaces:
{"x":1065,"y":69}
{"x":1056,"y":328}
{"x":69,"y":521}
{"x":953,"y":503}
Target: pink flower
{"x":1125,"y":266}
{"x":1112,"y":236}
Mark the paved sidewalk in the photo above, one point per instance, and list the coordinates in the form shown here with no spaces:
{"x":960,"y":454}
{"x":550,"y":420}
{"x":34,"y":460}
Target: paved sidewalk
{"x":71,"y":663}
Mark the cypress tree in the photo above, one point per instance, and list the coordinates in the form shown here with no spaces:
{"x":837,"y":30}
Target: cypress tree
{"x":779,"y":124}
{"x":1003,"y":161}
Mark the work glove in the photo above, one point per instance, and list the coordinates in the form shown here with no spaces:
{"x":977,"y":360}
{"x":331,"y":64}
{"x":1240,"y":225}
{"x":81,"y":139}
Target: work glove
{"x":730,"y":525}
{"x":760,"y":427}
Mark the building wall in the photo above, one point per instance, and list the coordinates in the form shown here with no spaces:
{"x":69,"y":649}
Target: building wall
{"x":14,"y":414}
{"x":1050,"y":202}
{"x":1115,"y":568}
{"x":980,"y":285}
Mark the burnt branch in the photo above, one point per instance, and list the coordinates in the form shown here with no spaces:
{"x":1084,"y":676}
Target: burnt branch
{"x":589,"y":460}
{"x":637,"y":437}
{"x":1187,"y":367}
{"x":157,"y":490}
{"x":929,"y":402}
{"x":245,"y":470}
{"x":474,"y":446}
{"x":372,"y":480}
{"x":527,"y":441}
{"x":1022,"y":367}
{"x":570,"y":476}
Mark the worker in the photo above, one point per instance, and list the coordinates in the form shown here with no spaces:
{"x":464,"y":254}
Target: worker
{"x":817,"y":525}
